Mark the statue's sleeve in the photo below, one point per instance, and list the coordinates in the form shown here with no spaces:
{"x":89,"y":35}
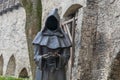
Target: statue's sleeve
{"x":37,"y":56}
{"x":65,"y":56}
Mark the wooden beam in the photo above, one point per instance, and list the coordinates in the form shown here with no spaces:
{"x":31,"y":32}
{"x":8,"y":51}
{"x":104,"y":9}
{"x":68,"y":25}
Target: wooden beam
{"x":73,"y":44}
{"x":70,"y":20}
{"x":68,"y":31}
{"x":64,"y":28}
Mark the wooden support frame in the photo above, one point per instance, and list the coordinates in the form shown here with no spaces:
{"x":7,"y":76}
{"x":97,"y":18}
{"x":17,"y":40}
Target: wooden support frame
{"x":70,"y":20}
{"x":72,"y":38}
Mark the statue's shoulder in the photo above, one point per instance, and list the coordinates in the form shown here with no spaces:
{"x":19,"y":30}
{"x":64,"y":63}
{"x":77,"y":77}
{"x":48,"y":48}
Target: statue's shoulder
{"x":37,"y":38}
{"x":39,"y":33}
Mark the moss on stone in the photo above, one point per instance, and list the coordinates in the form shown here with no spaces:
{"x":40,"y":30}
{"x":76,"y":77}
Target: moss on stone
{"x":12,"y":78}
{"x":27,"y":5}
{"x":39,"y":13}
{"x":33,"y":24}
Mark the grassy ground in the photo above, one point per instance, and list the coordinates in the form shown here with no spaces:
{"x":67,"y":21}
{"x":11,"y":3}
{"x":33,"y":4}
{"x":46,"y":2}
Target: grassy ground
{"x":11,"y":78}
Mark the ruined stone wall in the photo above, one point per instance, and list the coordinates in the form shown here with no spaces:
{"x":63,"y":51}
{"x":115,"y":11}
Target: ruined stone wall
{"x":107,"y":38}
{"x":13,"y":41}
{"x":100,"y":40}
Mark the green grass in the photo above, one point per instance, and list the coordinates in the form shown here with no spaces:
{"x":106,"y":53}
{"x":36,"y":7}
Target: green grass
{"x":11,"y":78}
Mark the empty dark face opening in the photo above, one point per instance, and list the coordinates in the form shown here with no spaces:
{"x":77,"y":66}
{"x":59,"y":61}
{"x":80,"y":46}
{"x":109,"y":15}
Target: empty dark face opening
{"x":51,"y":23}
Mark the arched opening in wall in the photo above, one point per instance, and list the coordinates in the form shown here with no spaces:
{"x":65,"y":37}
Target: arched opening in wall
{"x":69,"y":23}
{"x":11,"y":66}
{"x":115,"y":69}
{"x":23,"y":73}
{"x":1,"y":65}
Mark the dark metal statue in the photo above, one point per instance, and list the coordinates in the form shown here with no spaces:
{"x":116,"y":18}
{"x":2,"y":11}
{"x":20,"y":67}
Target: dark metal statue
{"x":51,"y":49}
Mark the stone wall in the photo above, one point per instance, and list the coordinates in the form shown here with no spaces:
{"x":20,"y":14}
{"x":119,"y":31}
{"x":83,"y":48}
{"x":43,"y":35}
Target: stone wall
{"x":107,"y":38}
{"x":8,"y":5}
{"x":13,"y":41}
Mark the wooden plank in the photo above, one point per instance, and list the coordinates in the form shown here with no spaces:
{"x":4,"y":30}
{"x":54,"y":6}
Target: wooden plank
{"x":73,"y":44}
{"x":70,"y":20}
{"x":64,"y":28}
{"x":68,"y":31}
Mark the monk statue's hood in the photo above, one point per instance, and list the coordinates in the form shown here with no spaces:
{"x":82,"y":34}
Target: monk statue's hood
{"x":52,"y":36}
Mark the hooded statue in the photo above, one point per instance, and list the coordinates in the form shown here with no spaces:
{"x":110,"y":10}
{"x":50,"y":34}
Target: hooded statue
{"x":51,"y":49}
